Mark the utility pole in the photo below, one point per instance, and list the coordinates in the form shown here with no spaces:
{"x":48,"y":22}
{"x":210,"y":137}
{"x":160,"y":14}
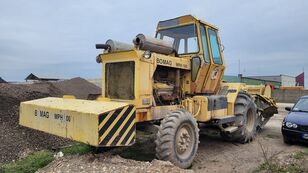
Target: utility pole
{"x":239,"y":66}
{"x":304,"y":75}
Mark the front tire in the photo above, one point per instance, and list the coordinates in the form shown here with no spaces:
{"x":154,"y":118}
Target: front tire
{"x":177,"y":138}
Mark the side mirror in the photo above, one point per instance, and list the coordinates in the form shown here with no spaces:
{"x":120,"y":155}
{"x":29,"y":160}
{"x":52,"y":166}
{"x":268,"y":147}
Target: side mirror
{"x":287,"y":108}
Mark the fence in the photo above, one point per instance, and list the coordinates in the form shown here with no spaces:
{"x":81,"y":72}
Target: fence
{"x":288,"y":96}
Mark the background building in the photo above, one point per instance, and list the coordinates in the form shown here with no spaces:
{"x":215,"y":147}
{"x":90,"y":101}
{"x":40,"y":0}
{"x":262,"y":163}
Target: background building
{"x":2,"y":80}
{"x":285,"y":80}
{"x":276,"y":81}
{"x":300,"y":80}
{"x":34,"y":78}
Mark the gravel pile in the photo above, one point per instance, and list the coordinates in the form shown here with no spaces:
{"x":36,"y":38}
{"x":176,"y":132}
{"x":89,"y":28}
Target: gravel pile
{"x":17,"y":141}
{"x":78,"y":87}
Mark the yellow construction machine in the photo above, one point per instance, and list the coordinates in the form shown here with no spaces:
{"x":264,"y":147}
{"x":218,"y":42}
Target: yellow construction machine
{"x":173,"y":80}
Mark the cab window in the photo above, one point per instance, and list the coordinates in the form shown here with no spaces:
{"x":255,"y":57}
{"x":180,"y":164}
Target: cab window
{"x":204,"y":44}
{"x":184,"y":38}
{"x":214,"y":46}
{"x":181,"y":48}
{"x":192,"y":45}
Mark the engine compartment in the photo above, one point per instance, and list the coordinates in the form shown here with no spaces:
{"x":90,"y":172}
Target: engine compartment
{"x":166,"y":88}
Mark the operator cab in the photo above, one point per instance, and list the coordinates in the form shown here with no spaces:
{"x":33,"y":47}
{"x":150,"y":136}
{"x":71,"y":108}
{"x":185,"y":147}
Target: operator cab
{"x":198,"y":41}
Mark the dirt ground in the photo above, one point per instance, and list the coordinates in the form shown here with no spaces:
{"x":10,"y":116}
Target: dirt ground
{"x":16,"y":141}
{"x":214,"y":154}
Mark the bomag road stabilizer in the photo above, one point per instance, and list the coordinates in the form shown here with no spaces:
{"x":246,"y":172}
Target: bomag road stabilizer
{"x":173,"y":80}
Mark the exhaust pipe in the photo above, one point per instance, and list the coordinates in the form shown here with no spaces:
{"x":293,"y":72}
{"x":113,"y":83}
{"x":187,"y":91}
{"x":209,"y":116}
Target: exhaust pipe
{"x":153,"y":44}
{"x":102,"y":46}
{"x":114,"y":46}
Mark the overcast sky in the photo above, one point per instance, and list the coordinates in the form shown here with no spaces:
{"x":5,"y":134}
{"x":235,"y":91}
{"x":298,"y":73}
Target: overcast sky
{"x":57,"y":38}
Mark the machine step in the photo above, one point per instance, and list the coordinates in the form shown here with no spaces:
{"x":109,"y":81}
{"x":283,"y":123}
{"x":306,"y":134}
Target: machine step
{"x":231,"y":129}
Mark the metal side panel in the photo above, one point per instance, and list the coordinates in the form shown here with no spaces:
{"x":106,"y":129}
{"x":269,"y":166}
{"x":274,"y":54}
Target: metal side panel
{"x":97,"y":123}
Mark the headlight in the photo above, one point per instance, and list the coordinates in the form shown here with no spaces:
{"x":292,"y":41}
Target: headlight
{"x":98,"y":59}
{"x":294,"y":126}
{"x":291,"y":125}
{"x":147,"y":54}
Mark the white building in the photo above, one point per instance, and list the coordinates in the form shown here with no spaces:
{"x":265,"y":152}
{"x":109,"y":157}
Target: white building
{"x":286,"y":81}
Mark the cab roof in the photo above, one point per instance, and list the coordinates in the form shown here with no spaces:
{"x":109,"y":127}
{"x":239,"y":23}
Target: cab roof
{"x":182,"y":20}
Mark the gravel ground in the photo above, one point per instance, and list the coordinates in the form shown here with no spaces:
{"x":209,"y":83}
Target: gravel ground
{"x":108,"y":163}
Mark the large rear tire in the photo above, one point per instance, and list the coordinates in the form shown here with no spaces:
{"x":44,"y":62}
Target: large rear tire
{"x":245,"y":107}
{"x":178,"y":138}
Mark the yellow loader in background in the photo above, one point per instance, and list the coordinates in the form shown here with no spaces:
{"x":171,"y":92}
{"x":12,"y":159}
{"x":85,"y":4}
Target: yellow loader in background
{"x":174,"y":80}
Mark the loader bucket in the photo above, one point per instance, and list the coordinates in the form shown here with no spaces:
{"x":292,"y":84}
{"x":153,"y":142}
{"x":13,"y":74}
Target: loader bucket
{"x":97,"y":123}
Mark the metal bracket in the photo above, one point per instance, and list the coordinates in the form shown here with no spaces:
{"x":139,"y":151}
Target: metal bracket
{"x":226,"y":119}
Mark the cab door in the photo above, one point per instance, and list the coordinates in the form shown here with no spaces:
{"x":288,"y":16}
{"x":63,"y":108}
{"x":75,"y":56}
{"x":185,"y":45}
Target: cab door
{"x":216,"y":65}
{"x":204,"y":55}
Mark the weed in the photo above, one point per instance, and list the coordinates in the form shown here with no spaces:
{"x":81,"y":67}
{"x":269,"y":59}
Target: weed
{"x":29,"y":164}
{"x":40,"y":159}
{"x":300,"y":154}
{"x":76,"y":148}
{"x":276,"y":168}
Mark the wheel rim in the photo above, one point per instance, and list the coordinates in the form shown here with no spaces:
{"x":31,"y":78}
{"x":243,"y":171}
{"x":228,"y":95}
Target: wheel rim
{"x":184,"y":141}
{"x":250,"y":120}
